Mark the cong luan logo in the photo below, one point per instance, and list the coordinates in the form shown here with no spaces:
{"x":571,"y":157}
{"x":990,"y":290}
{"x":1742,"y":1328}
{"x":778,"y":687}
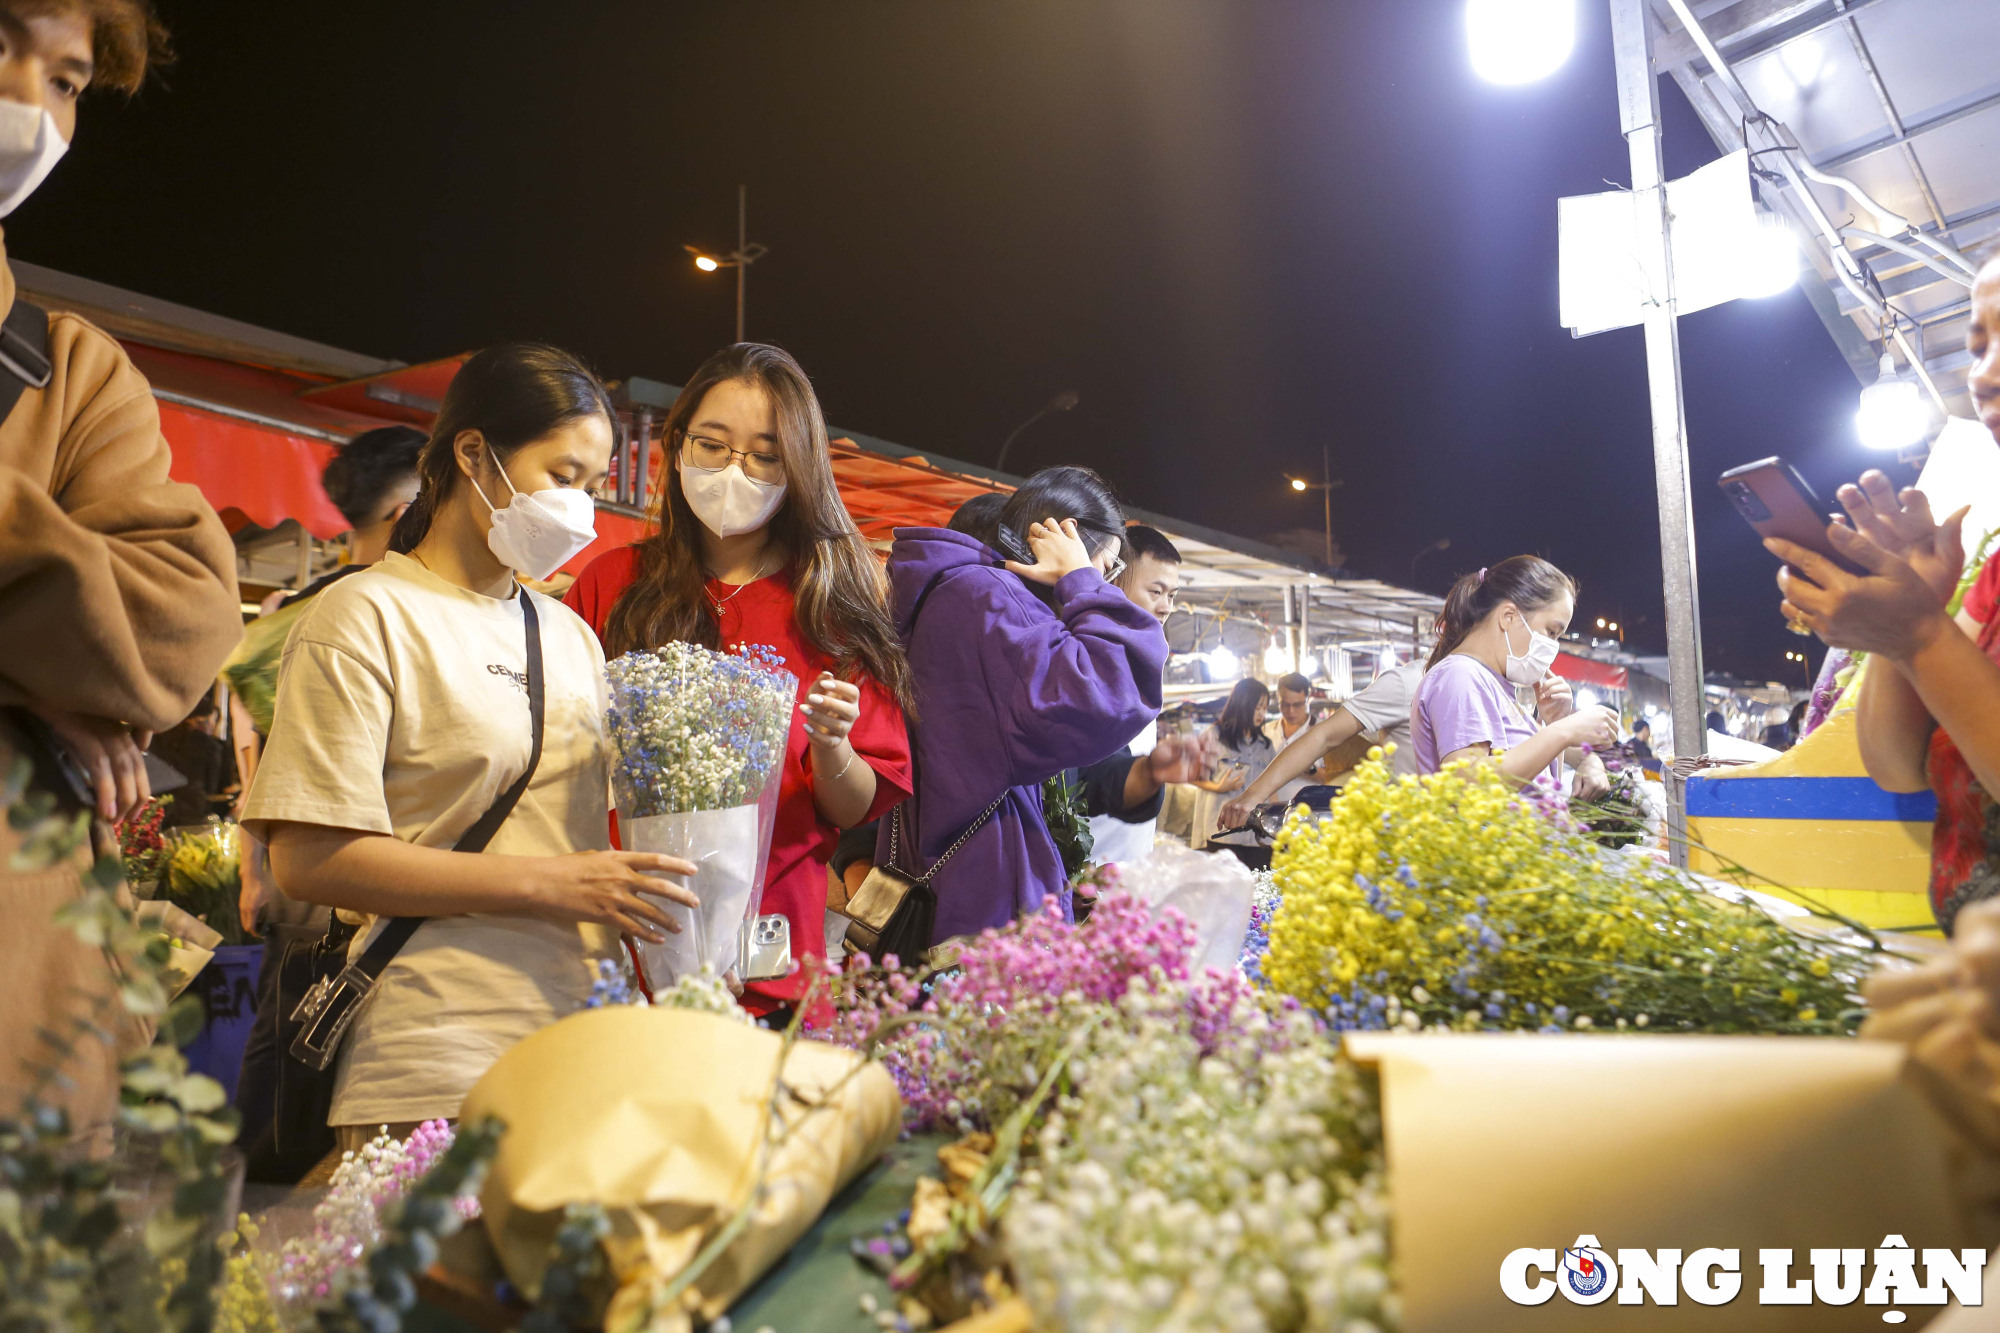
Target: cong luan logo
{"x":1587,"y":1274}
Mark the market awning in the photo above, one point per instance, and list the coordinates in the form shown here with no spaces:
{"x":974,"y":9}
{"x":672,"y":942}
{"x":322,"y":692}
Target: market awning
{"x":266,"y":475}
{"x":1585,"y":671}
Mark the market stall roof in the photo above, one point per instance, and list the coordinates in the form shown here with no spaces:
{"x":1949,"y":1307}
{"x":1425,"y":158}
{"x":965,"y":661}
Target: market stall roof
{"x":253,"y":415}
{"x":1900,"y":97}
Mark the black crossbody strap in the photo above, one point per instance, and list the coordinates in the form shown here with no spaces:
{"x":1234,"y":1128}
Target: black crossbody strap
{"x":397,"y":933}
{"x":24,"y":353}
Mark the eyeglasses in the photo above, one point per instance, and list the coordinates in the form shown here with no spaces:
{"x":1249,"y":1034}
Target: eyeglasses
{"x":713,"y":456}
{"x":1117,"y":567}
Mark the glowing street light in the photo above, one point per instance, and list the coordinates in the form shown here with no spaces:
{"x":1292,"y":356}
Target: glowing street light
{"x":1326,"y":487}
{"x":1299,"y":485}
{"x":741,"y":258}
{"x":1892,"y":410}
{"x":1519,"y":41}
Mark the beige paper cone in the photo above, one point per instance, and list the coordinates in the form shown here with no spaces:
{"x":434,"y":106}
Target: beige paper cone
{"x":1498,"y":1142}
{"x":656,"y":1114}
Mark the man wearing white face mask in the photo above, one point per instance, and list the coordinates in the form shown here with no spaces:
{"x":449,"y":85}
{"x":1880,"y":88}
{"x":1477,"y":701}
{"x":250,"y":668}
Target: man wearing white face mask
{"x":118,"y":599}
{"x":1498,"y":633}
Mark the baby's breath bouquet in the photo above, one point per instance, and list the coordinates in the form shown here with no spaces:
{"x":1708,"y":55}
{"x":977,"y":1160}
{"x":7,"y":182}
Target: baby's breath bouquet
{"x":1448,"y":901}
{"x":698,"y":740}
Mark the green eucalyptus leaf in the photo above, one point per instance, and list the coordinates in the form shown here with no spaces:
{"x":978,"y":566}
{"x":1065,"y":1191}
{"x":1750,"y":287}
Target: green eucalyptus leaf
{"x":183,"y":1020}
{"x":152,"y":1117}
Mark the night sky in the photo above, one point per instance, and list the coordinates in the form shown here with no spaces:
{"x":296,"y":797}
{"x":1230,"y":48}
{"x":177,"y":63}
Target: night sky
{"x":1240,"y":228}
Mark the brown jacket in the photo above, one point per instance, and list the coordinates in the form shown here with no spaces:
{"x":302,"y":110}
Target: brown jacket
{"x":117,"y":586}
{"x":117,"y":598}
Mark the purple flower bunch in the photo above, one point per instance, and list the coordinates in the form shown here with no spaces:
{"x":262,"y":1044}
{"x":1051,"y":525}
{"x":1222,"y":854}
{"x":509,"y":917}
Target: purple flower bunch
{"x":347,"y":1223}
{"x":1042,"y":957}
{"x":966,"y":1057}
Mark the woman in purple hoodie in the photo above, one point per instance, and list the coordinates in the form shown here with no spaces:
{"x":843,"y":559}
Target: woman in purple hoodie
{"x":1023,"y":667}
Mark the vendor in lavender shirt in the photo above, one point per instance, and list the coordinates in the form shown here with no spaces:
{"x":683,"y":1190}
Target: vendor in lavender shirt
{"x":1027,"y":661}
{"x":1498,"y":632}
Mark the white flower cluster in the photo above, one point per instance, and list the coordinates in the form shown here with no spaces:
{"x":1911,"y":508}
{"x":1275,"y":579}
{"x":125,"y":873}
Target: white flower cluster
{"x":1243,"y":1192}
{"x":694,"y":729}
{"x":703,"y":991}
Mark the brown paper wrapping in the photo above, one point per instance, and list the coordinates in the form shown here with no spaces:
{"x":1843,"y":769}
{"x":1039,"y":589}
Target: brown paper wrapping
{"x":656,"y":1114}
{"x":1497,"y":1142}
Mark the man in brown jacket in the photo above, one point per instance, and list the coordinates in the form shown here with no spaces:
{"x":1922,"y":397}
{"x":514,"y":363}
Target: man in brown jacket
{"x":118,"y":597}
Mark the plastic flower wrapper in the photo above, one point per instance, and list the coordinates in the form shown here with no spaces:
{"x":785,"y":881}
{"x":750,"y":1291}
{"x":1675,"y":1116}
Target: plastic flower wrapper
{"x":698,"y":740}
{"x":1211,"y":890}
{"x":204,"y":876}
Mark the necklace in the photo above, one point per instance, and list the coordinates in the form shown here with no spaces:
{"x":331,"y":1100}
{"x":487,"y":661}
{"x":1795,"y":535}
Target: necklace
{"x":721,"y":601}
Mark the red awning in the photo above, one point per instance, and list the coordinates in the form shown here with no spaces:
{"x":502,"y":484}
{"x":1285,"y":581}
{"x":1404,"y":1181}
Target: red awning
{"x":1588,"y":672}
{"x":268,"y":475}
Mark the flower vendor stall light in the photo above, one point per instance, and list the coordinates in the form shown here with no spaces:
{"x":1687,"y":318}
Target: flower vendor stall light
{"x":1222,"y":663}
{"x":1892,"y":412}
{"x":1770,"y":258}
{"x":1388,"y":661}
{"x":1277,"y":660}
{"x":1587,"y":699}
{"x":1308,"y":666}
{"x":1519,"y":41}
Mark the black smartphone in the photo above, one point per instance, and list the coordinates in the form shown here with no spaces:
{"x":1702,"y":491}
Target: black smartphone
{"x":1775,"y":500}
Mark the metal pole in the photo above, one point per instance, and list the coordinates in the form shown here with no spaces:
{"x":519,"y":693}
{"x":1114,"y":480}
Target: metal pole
{"x":1639,"y":119}
{"x":1326,"y":494}
{"x":643,"y":448}
{"x":742,"y":244}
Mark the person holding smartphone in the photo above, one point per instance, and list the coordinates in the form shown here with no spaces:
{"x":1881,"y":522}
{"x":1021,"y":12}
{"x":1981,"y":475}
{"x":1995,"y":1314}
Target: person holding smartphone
{"x":404,"y":713}
{"x":1498,"y":633}
{"x":1928,"y":711}
{"x":1242,"y":751}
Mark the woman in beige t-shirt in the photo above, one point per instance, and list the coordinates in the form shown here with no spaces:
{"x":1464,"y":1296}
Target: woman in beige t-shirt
{"x":402,"y":715}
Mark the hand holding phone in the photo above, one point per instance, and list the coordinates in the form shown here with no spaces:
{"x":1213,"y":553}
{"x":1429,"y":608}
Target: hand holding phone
{"x":1775,"y":500}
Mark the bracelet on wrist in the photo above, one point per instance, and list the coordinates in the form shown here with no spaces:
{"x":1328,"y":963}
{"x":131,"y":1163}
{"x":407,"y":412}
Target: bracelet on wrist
{"x":852,"y":755}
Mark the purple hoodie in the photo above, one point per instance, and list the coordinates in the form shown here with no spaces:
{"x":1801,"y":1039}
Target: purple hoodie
{"x":1009,"y":692}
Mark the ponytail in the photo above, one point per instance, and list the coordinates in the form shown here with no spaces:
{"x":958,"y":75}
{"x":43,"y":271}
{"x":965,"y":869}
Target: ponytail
{"x":512,"y":394}
{"x":1528,"y":581}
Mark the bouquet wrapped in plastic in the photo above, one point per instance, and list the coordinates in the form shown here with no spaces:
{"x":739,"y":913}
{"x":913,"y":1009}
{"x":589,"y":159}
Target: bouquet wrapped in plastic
{"x":204,"y":876}
{"x":699,"y":744}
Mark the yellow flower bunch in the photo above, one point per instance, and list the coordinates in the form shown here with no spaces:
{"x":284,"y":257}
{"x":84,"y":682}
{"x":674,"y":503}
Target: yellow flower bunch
{"x":1449,"y":900}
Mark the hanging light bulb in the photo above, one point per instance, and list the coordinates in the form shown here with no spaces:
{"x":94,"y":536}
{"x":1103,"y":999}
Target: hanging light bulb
{"x":1769,"y":261}
{"x":1388,"y":662}
{"x":1308,"y":665}
{"x":1519,"y":41}
{"x":1223,"y":664}
{"x":1892,"y":410}
{"x":1276,"y":660}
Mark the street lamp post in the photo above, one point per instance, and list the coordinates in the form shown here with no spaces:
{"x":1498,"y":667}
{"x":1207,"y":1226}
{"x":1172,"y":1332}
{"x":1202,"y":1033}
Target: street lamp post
{"x":1639,"y":118}
{"x":741,"y":258}
{"x":1062,"y":402}
{"x":1325,"y":486}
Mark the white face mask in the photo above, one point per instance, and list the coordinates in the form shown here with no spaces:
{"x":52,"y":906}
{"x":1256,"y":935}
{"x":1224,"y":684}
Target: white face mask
{"x":30,"y":147}
{"x":726,"y":501}
{"x":538,"y":533}
{"x":1528,"y":668}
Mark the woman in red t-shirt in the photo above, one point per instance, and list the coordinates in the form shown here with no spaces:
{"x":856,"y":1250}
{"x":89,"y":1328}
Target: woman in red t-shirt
{"x":755,"y":546}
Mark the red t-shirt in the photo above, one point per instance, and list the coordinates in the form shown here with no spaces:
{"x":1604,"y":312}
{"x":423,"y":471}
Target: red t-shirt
{"x":1965,"y":842}
{"x":801,"y":842}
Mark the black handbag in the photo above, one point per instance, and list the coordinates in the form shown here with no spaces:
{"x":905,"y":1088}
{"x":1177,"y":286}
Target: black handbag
{"x":893,"y":913}
{"x":309,"y":999}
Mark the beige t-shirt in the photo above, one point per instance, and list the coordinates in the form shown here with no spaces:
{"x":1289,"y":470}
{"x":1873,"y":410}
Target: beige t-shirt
{"x":403,"y":709}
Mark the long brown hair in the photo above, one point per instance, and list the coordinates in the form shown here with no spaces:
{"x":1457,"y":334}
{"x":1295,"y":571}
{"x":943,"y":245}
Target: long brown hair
{"x":837,"y":582}
{"x":1528,"y":581}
